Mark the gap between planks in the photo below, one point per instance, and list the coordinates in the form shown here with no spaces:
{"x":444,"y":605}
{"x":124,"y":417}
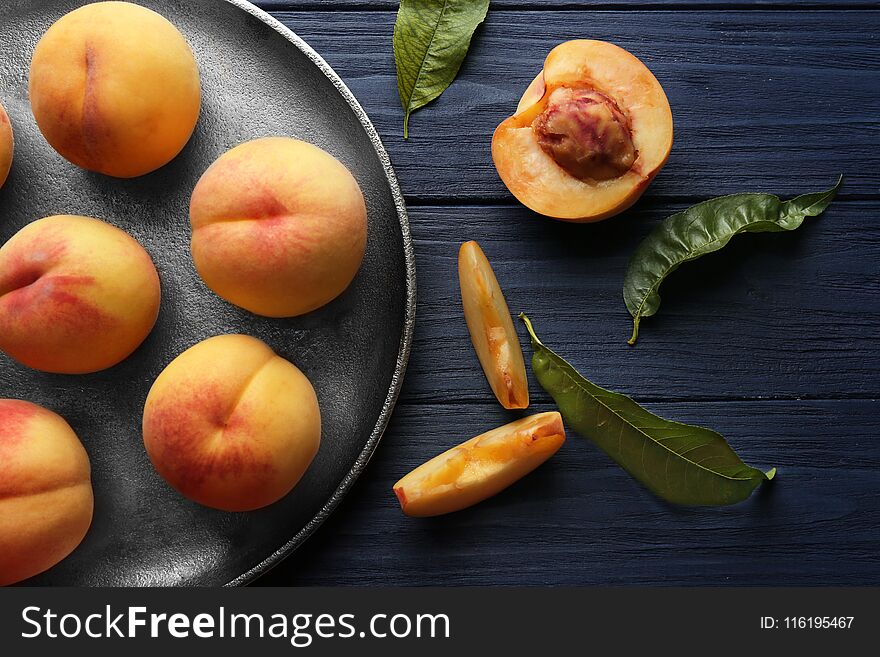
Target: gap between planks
{"x":708,"y":399}
{"x":439,"y":201}
{"x":294,"y":7}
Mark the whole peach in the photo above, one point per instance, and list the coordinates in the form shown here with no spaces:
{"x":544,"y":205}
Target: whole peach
{"x":279,"y":227}
{"x":115,"y":88}
{"x":77,"y":295}
{"x":7,"y":144}
{"x":45,"y":490}
{"x":231,"y":425}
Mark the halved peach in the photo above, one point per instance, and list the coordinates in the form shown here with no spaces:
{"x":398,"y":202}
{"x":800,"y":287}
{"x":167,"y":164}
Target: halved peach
{"x":491,"y":328}
{"x":588,"y":136}
{"x":481,"y":467}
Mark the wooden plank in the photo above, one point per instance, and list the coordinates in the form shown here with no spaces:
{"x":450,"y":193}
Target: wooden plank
{"x":580,"y":519}
{"x":773,"y":315}
{"x":757,"y":105}
{"x":501,"y":5}
{"x":779,"y":316}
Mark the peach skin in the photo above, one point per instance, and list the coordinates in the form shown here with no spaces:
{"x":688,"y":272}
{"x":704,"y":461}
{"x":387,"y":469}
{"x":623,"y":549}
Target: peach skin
{"x":279,"y":227}
{"x":231,"y":425}
{"x":590,"y":133}
{"x":7,"y":145}
{"x":115,"y":88}
{"x":481,"y":467}
{"x":77,"y":295}
{"x":45,"y":490}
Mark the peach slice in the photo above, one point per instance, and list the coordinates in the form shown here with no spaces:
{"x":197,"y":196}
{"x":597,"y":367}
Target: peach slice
{"x":481,"y":467}
{"x":589,"y":134}
{"x":7,"y":144}
{"x":46,"y":497}
{"x":491,"y":328}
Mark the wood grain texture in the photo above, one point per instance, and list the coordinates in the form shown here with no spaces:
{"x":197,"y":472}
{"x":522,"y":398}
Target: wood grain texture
{"x":580,"y":519}
{"x":772,"y":315}
{"x":771,"y":342}
{"x":759,"y":102}
{"x":502,"y":5}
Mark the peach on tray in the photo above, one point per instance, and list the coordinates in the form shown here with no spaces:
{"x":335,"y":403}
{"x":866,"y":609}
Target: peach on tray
{"x":279,"y":227}
{"x":45,"y":490}
{"x":231,"y":425}
{"x":115,"y":88}
{"x":77,"y":295}
{"x":588,"y":136}
{"x":480,"y":467}
{"x":7,"y":145}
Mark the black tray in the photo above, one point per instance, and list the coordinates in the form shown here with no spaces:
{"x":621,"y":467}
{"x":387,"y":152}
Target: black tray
{"x":258,"y":79}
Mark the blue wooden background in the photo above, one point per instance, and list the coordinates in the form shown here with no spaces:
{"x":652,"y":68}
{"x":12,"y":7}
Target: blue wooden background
{"x":772,"y":342}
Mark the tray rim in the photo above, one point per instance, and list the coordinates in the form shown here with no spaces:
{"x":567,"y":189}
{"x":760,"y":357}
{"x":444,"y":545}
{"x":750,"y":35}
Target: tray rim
{"x":406,"y":338}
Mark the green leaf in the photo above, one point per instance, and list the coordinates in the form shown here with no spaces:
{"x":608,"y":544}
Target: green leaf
{"x":431,"y":39}
{"x":681,"y":463}
{"x":702,"y":229}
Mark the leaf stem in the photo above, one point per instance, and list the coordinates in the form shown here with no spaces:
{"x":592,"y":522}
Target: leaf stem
{"x":635,"y":335}
{"x":531,"y":330}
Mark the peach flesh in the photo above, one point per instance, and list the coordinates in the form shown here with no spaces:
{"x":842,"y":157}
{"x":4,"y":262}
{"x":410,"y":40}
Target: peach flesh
{"x":491,"y":328}
{"x":600,"y":157}
{"x":115,"y":89}
{"x":480,"y":467}
{"x":7,"y":145}
{"x":231,"y":425}
{"x":279,"y":227}
{"x":46,"y":496}
{"x":77,"y":295}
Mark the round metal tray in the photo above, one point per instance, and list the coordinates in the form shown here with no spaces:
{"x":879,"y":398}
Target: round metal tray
{"x":258,"y":79}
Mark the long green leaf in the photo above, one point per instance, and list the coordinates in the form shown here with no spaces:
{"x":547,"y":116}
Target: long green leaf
{"x":431,"y":39}
{"x":703,"y":228}
{"x":681,"y":463}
